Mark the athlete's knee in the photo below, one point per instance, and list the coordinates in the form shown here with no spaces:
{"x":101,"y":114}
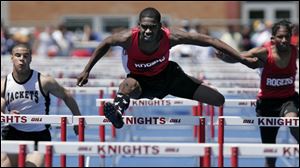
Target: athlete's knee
{"x":130,"y":87}
{"x":10,"y":160}
{"x":34,"y":159}
{"x":219,"y":100}
{"x":209,"y":95}
{"x":291,"y":114}
{"x":5,"y":162}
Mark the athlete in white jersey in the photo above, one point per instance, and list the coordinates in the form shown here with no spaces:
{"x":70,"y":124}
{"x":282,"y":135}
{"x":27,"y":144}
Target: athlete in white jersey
{"x":26,"y":91}
{"x":27,"y":98}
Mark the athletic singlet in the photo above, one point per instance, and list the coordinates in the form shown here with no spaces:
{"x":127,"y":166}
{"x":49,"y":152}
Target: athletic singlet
{"x":278,"y":82}
{"x":148,"y":65}
{"x":27,"y":98}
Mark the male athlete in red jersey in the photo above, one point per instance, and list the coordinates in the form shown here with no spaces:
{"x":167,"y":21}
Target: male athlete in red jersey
{"x":277,"y":96}
{"x":151,"y":73}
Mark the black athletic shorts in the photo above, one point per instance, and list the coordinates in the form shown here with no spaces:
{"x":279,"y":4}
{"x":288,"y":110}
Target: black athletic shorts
{"x":11,"y":133}
{"x":172,"y":80}
{"x":277,"y":107}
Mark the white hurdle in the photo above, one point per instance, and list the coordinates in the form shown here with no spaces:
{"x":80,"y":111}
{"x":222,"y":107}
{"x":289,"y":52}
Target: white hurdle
{"x":170,"y":102}
{"x":62,"y":120}
{"x":158,"y":120}
{"x":232,"y":150}
{"x":99,"y":120}
{"x":166,"y":102}
{"x":259,"y":121}
{"x":132,"y":120}
{"x":287,"y":150}
{"x":256,"y":121}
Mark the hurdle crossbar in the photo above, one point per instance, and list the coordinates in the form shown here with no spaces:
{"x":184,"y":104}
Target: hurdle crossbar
{"x":151,"y":120}
{"x":127,"y":148}
{"x":99,"y":120}
{"x":148,"y":120}
{"x":233,"y":150}
{"x":260,"y":121}
{"x":152,"y":149}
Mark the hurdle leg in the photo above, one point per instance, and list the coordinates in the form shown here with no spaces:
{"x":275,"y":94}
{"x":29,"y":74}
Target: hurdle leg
{"x":234,"y":157}
{"x":63,"y":138}
{"x":22,"y":155}
{"x":48,"y":156}
{"x":81,"y":139}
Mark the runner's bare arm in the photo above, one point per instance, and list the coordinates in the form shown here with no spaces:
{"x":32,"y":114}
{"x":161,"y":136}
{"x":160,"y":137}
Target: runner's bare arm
{"x":119,"y":39}
{"x":50,"y":85}
{"x":259,"y":53}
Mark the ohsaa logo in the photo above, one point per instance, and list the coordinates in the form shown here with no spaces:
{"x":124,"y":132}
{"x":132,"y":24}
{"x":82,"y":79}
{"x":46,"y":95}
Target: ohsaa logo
{"x":178,"y":102}
{"x":172,"y":150}
{"x":270,"y":150}
{"x":175,"y":120}
{"x":242,"y":103}
{"x":36,"y":119}
{"x":248,"y":121}
{"x":84,"y":148}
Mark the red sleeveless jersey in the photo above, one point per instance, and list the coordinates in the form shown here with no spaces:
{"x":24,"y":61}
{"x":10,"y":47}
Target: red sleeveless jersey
{"x":148,"y":65}
{"x":278,"y":82}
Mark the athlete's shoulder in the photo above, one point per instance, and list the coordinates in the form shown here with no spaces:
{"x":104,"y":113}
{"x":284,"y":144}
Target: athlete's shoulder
{"x":122,"y":35}
{"x":46,"y":79}
{"x":120,"y":38}
{"x":176,"y":34}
